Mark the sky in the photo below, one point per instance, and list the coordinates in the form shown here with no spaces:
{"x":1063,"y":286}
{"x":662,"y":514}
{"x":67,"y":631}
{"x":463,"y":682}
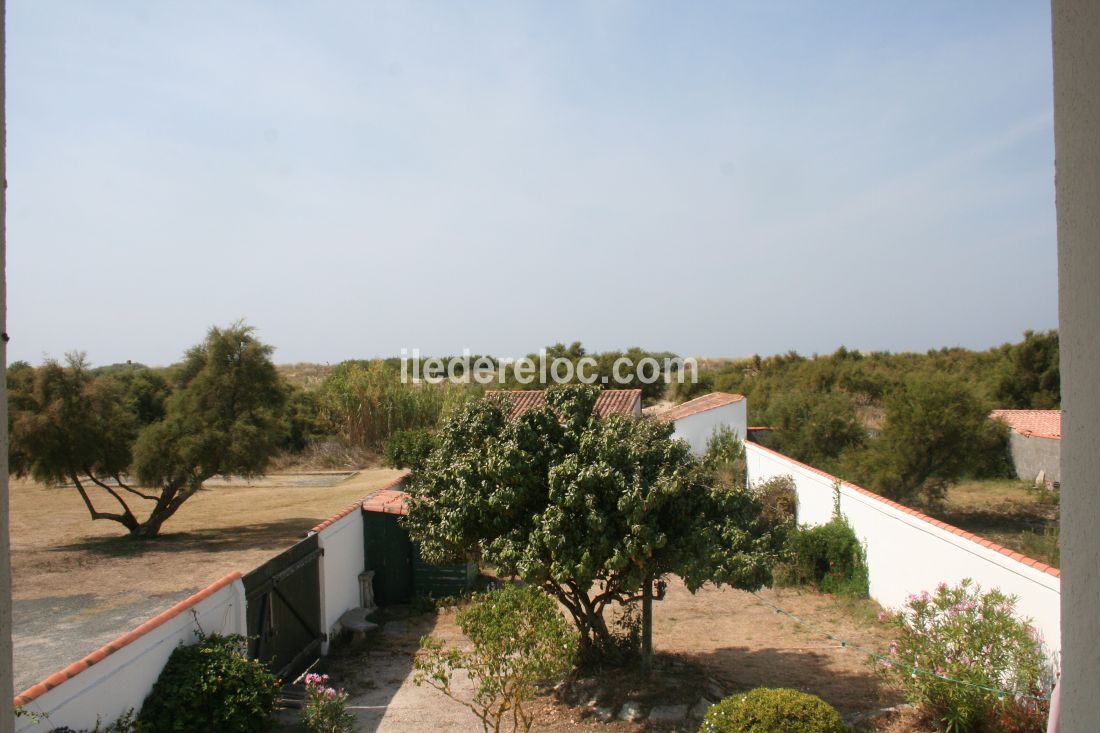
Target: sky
{"x":354,"y":178}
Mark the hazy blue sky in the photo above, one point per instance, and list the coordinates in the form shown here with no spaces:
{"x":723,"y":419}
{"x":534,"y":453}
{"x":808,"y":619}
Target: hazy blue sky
{"x":353,"y":178}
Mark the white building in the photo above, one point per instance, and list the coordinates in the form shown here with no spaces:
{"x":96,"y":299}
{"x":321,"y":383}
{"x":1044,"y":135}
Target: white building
{"x":696,"y":420}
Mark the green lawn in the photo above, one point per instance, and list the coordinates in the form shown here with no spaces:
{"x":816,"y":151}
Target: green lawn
{"x":1010,"y":513}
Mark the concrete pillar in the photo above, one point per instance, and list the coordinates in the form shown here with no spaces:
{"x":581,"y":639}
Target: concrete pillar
{"x":1076,"y":35}
{"x":7,"y":722}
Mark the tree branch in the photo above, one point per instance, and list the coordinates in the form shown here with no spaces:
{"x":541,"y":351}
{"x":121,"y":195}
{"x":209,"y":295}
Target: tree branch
{"x":127,"y":520}
{"x":132,"y":490}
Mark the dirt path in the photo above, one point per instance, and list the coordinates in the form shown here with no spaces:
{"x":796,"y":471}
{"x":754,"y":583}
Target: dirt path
{"x":78,"y":584}
{"x":721,"y":637}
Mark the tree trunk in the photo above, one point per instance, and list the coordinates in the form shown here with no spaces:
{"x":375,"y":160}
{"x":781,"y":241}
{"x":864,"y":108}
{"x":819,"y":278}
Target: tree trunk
{"x":647,"y":626}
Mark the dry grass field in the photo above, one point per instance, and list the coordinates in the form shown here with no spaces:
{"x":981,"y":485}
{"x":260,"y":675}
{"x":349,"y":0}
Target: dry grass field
{"x":58,"y":549}
{"x":1007,"y":512}
{"x":77,"y":584}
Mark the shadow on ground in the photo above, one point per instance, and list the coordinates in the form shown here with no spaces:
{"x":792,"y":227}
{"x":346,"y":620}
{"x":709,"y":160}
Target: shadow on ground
{"x":740,"y":668}
{"x":263,"y":536}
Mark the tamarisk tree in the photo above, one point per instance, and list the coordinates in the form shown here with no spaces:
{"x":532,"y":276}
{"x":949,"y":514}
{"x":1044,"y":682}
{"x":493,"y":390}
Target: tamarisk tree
{"x":596,"y":511}
{"x":125,"y":445}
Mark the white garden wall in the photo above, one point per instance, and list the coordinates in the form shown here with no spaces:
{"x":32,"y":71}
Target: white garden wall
{"x":117,"y":678}
{"x":908,"y":552}
{"x":696,"y":429}
{"x":341,"y":539}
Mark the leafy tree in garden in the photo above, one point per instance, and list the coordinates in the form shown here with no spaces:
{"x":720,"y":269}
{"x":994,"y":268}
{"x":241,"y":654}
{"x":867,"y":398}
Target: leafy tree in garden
{"x":597,"y":511}
{"x":815,"y":428}
{"x":934,"y":428}
{"x":222,"y":417}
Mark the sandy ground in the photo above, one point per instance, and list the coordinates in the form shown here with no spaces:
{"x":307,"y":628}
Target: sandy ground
{"x":78,"y":584}
{"x":724,"y":634}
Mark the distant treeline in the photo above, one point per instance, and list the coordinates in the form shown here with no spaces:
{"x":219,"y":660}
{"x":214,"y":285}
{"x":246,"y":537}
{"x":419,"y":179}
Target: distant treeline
{"x":901,"y":423}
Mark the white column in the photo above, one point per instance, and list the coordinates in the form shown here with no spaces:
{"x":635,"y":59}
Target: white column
{"x":1076,"y":35}
{"x":7,"y":721}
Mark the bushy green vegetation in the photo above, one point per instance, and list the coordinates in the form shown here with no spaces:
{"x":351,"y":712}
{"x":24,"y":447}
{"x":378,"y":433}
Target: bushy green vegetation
{"x":905,"y":425}
{"x":967,"y":658}
{"x":772,"y":710}
{"x":408,"y":448}
{"x":828,"y":557}
{"x":366,"y":402}
{"x":211,"y":686}
{"x":519,"y":639}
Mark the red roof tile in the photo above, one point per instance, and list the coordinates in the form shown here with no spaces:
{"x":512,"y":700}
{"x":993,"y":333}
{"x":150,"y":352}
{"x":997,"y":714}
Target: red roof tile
{"x":1032,"y":423}
{"x":609,"y":401}
{"x":387,"y":501}
{"x":700,"y":404}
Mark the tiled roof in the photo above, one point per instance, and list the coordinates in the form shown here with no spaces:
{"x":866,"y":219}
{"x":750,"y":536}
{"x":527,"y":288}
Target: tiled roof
{"x":387,"y":501}
{"x":356,"y":506}
{"x":700,"y":404}
{"x":35,"y":691}
{"x":989,"y":544}
{"x":1032,"y":423}
{"x":609,"y":401}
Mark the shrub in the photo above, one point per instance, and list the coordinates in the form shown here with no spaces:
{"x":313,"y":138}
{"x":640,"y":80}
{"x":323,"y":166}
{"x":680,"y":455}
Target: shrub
{"x":211,"y":686}
{"x":829,"y":557}
{"x":519,"y":638}
{"x":725,"y":457}
{"x":779,"y":497}
{"x":326,"y":708}
{"x":771,"y":710}
{"x":961,"y":633}
{"x":407,"y":448}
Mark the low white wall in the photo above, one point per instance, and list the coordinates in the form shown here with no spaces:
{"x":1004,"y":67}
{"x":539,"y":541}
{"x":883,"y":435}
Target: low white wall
{"x":696,"y":429}
{"x":341,"y":564}
{"x":908,"y":552}
{"x":117,"y":678}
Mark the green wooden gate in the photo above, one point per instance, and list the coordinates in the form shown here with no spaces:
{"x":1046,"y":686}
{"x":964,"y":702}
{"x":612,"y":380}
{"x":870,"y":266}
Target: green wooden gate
{"x":283,"y":599}
{"x":389,"y":553}
{"x":399,"y":571}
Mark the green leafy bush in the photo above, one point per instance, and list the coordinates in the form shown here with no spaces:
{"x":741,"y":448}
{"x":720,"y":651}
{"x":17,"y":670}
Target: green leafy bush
{"x":407,"y":448}
{"x":960,"y":633}
{"x":772,"y":710}
{"x":519,"y":638}
{"x":828,"y":557}
{"x":211,"y":686}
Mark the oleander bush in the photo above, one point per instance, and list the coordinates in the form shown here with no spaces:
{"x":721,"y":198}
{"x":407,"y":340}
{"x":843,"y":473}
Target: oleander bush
{"x":966,"y":658}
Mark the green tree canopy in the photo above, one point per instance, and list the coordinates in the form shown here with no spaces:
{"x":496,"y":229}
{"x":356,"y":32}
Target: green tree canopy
{"x":934,"y":431}
{"x":815,"y":428}
{"x":594,"y":510}
{"x":136,"y":437}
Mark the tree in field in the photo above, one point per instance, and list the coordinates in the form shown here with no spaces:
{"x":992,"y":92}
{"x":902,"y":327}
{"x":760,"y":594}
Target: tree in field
{"x":596,"y":511}
{"x":127,"y":444}
{"x":935,"y":430}
{"x":815,"y":428}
